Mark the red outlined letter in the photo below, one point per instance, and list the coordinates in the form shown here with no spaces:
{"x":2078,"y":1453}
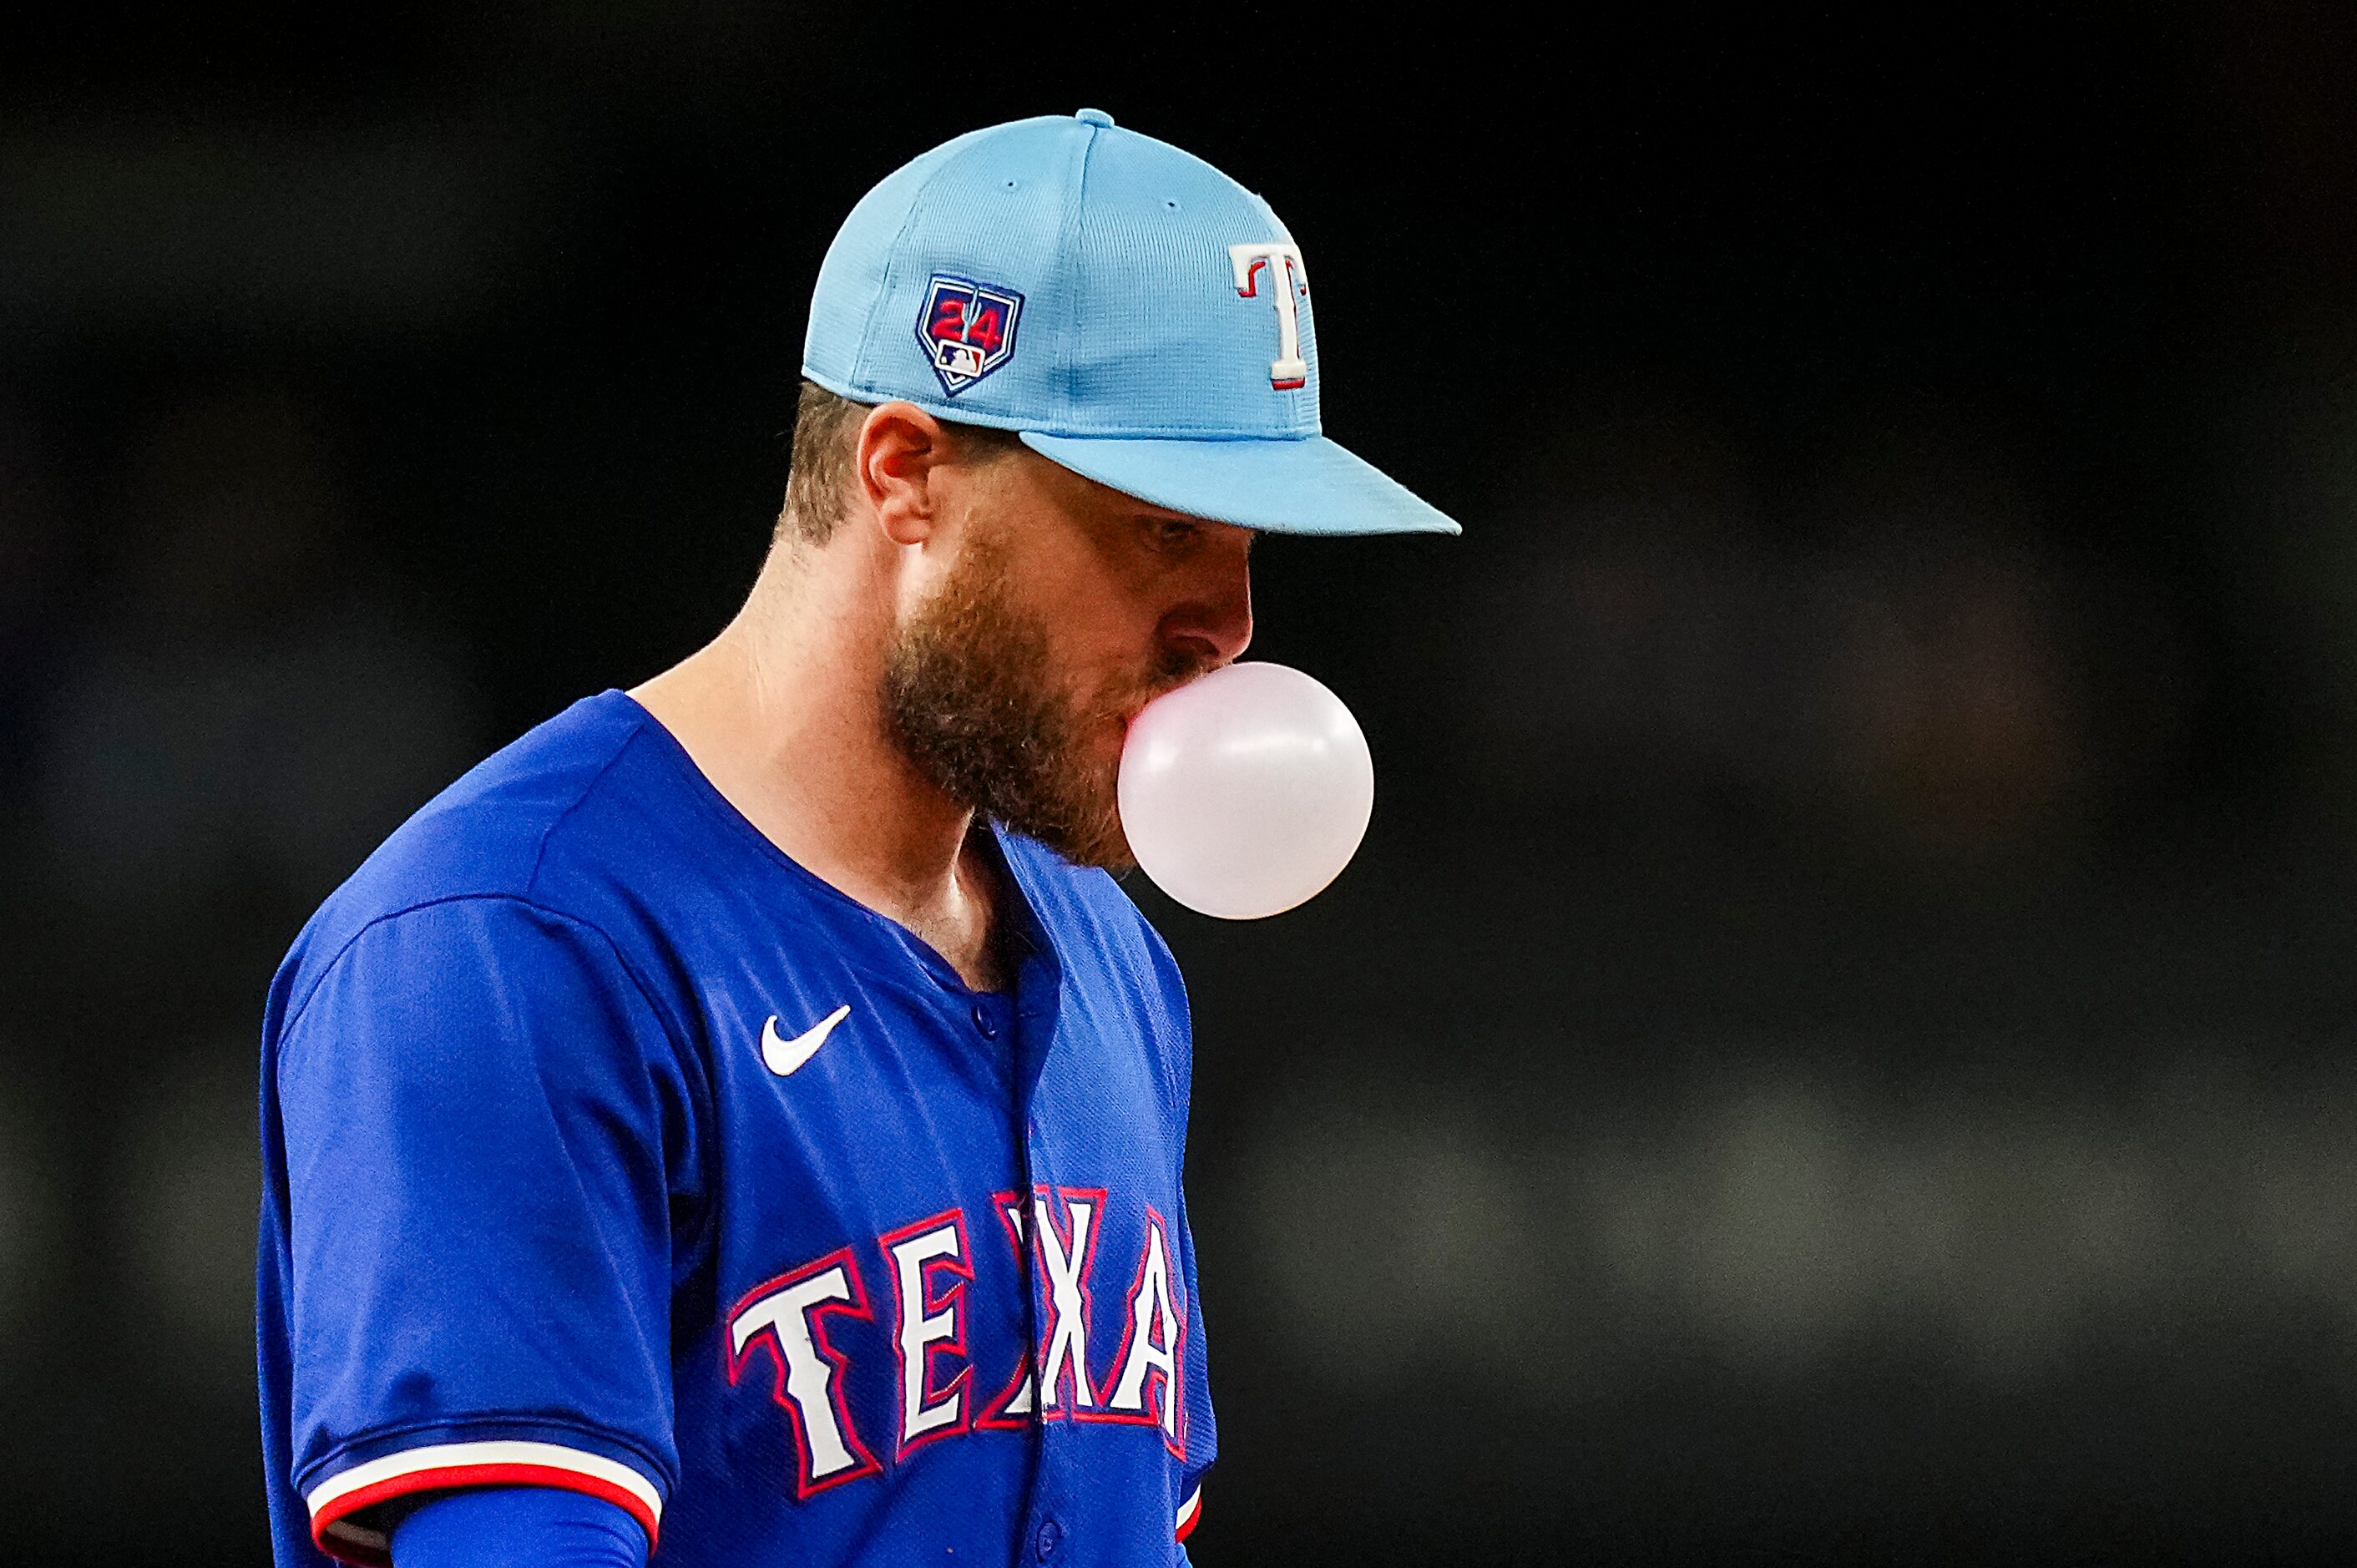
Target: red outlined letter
{"x":789,"y":1316}
{"x":925,"y":1325}
{"x":1148,"y":1387}
{"x":1064,"y":1252}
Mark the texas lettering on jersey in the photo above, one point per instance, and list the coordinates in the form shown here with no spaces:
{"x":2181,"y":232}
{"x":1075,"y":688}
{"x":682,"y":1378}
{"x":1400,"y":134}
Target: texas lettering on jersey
{"x":929,"y":1265}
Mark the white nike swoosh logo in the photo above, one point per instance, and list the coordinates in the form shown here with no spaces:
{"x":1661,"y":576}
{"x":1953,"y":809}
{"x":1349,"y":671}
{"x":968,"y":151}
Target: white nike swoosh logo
{"x":782,"y":1055}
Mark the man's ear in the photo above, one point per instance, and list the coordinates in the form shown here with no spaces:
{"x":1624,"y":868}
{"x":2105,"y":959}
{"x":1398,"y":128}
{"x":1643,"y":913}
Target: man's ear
{"x":899,"y":446}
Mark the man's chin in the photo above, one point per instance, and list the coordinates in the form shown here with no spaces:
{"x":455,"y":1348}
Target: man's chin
{"x":1112,"y":856}
{"x":1119,"y":863}
{"x":1101,"y":844}
{"x":1105,"y":848}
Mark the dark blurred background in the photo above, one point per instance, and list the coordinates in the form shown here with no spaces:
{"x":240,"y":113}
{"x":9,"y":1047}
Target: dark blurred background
{"x":1839,"y":1043}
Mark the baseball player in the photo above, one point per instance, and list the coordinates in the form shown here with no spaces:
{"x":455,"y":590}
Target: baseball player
{"x":742,"y":1122}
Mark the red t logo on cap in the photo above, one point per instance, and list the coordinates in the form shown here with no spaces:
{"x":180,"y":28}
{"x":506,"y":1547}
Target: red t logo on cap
{"x":1289,"y":370}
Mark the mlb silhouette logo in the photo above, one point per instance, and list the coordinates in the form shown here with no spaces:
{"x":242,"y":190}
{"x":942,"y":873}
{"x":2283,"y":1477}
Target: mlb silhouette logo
{"x":967,"y":329}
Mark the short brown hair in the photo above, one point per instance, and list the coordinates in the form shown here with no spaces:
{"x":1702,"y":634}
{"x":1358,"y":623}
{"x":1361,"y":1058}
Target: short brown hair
{"x":826,"y":430}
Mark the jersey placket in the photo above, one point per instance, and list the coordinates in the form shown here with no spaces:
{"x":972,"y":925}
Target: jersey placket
{"x":1038,"y":992}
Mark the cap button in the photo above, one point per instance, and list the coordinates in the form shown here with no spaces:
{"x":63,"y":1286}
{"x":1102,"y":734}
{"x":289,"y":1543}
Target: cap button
{"x":1096,"y":117}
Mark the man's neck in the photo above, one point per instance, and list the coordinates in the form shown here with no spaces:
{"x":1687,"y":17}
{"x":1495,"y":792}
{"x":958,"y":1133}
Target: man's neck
{"x":783,"y":713}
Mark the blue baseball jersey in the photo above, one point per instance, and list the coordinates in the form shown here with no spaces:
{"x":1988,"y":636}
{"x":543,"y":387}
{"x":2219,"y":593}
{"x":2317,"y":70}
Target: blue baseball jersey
{"x":608,"y":1148}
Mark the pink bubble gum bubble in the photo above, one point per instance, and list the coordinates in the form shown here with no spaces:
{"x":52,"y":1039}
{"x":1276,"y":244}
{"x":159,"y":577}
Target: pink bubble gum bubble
{"x":1245,"y":792}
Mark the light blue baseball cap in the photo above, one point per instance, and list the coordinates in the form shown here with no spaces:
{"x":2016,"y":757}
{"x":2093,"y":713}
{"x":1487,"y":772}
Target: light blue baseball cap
{"x":1134,"y":314}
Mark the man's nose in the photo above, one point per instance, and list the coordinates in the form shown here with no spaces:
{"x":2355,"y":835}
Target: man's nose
{"x":1216,"y":623}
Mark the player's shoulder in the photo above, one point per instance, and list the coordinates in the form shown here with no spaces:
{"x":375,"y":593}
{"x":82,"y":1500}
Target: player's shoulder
{"x":496,"y":831}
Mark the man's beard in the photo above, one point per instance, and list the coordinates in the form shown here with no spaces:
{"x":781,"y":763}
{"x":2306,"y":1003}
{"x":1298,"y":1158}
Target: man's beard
{"x":971,"y":696}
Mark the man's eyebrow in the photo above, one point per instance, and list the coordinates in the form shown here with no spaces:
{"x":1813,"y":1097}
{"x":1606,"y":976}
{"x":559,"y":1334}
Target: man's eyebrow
{"x":1252,"y":535}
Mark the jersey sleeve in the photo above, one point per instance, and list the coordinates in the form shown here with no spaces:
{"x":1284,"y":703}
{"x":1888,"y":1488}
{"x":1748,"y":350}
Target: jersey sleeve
{"x":486,"y":1127}
{"x":517,"y":1527}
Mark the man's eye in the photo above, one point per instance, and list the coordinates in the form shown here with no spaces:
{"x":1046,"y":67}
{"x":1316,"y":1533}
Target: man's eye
{"x":1172,"y":532}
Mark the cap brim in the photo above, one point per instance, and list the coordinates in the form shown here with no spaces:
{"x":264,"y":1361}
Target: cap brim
{"x":1308,"y":486}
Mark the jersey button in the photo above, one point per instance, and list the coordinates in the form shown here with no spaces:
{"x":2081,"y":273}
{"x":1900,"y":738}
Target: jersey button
{"x":982,"y":1021}
{"x":1051,"y":1535}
